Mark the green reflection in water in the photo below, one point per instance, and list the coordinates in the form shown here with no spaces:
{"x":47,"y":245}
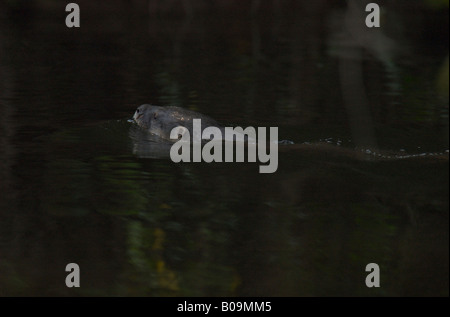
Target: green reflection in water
{"x":118,"y":189}
{"x":67,"y":188}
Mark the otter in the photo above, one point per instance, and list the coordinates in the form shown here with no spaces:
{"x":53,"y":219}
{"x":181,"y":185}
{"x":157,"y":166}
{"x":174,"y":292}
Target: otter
{"x":161,"y":120}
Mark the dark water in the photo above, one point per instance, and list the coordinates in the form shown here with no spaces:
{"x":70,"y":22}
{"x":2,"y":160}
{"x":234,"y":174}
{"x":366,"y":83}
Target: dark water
{"x":365,"y":182}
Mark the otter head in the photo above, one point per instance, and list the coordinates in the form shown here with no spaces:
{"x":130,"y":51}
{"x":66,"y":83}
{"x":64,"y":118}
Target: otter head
{"x":144,"y":115}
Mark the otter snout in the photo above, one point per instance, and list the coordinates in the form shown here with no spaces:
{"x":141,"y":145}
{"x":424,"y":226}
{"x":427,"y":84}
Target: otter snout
{"x":140,"y":111}
{"x":137,"y":115}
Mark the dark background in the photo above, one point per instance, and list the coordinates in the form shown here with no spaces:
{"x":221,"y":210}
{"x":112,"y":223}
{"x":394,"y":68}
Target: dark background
{"x":366,"y":180}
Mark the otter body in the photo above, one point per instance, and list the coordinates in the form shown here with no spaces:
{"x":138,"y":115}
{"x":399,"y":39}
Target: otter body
{"x":161,"y":120}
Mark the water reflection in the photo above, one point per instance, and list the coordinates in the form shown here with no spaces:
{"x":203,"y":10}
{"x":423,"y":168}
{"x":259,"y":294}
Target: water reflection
{"x":149,"y":226}
{"x":147,"y":145}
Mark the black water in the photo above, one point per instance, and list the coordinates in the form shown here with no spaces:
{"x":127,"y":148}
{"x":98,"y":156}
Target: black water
{"x":365,"y":182}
